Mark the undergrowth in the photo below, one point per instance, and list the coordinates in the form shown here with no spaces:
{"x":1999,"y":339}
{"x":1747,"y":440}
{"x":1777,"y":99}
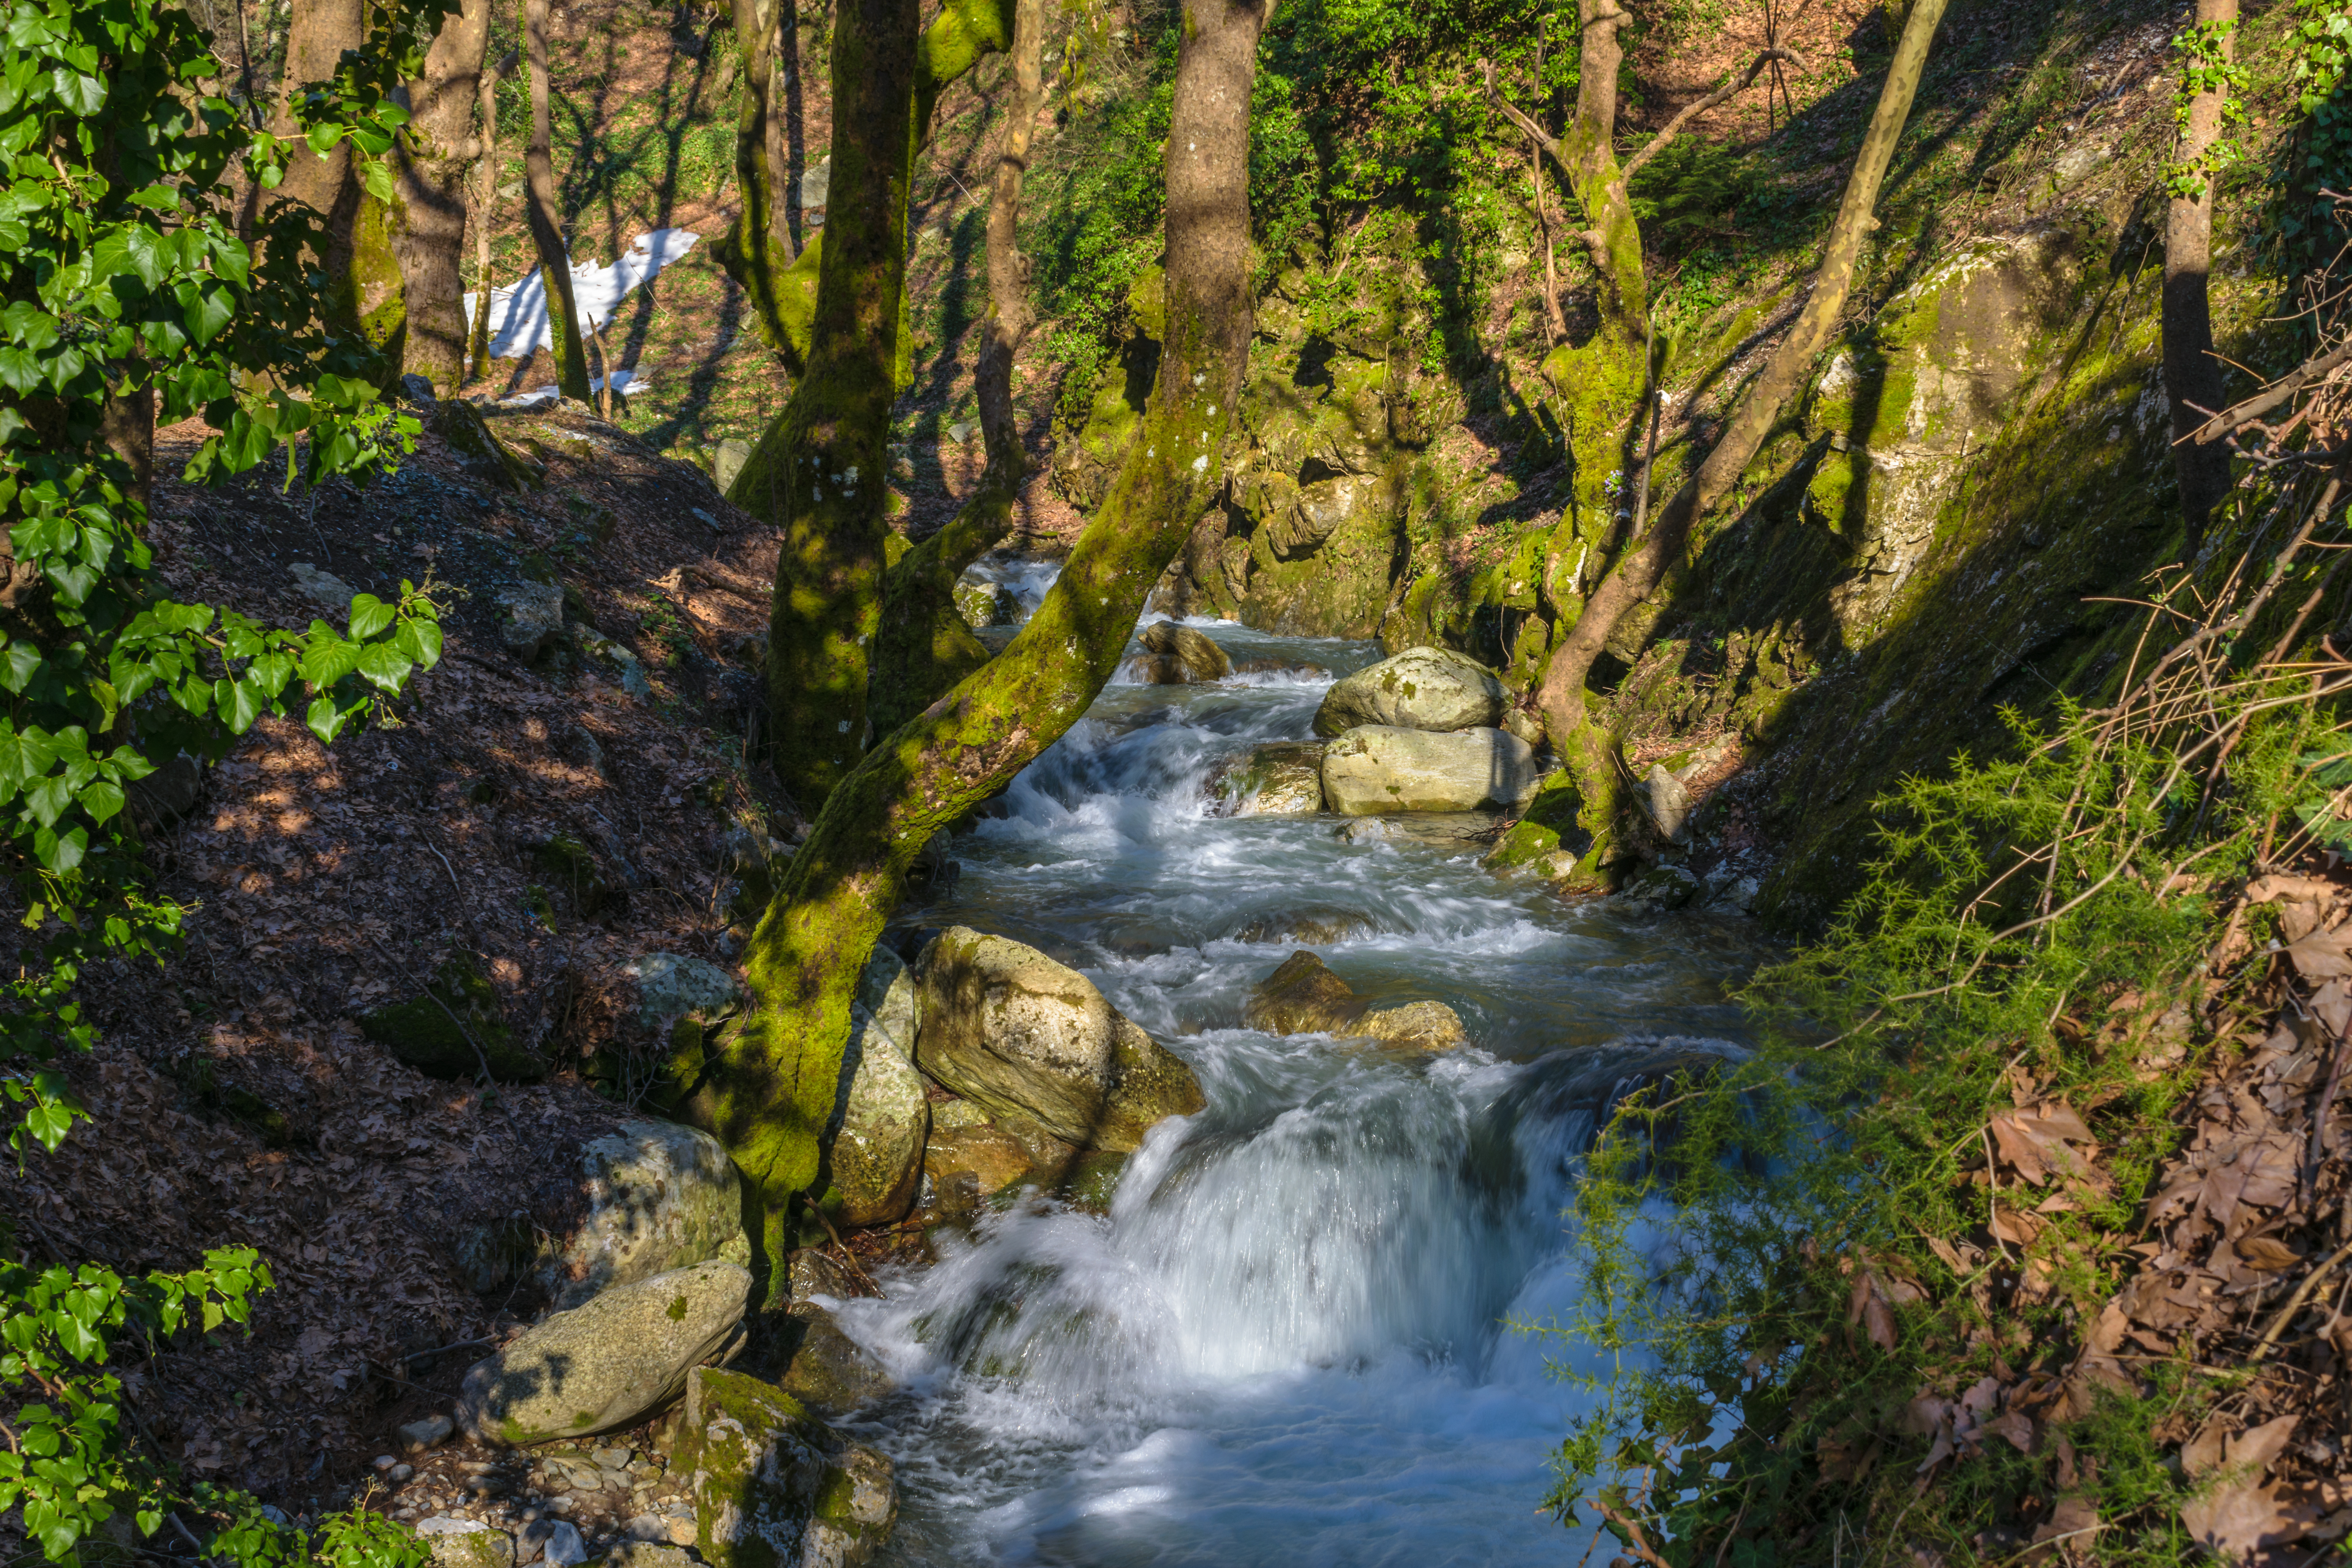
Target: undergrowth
{"x":2046,"y":934}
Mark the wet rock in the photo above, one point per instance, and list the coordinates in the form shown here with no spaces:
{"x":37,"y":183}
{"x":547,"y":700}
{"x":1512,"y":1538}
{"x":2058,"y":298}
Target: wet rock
{"x":1315,"y":925}
{"x":1420,"y":689}
{"x":1659,"y":889}
{"x":1379,"y":768}
{"x":1438,"y":829}
{"x":1284,"y":778}
{"x":968,"y":1165}
{"x":603,"y":1365}
{"x":816,"y":1273}
{"x":985,"y":604}
{"x":531,"y":618}
{"x":1547,"y":827}
{"x":456,"y":1030}
{"x":466,"y":1543}
{"x":1178,"y":655}
{"x":1304,"y":998}
{"x":826,"y":1369}
{"x":877,"y":1155}
{"x":1010,"y":1029}
{"x":322,"y":588}
{"x":660,"y":1197}
{"x":771,"y":1486}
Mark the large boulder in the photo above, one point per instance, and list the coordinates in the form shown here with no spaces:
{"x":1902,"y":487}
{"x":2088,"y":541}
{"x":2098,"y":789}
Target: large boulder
{"x":1007,"y":1027}
{"x":660,"y":1197}
{"x":1378,"y":768}
{"x":771,"y":1486}
{"x":824,"y":1369}
{"x":1304,"y":998}
{"x":602,"y":1366}
{"x":1282,"y":778}
{"x":1420,"y":689}
{"x":877,"y":1155}
{"x":1177,"y":655}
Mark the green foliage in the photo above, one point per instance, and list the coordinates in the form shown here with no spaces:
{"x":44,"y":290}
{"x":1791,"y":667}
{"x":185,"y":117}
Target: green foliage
{"x":2207,"y":66}
{"x":126,"y":282}
{"x":2321,"y":40}
{"x":1735,"y":1225}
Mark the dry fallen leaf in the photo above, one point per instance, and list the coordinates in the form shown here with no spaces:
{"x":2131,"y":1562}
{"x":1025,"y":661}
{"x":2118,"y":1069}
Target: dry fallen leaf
{"x":2322,"y":954}
{"x":2241,"y":1517}
{"x":2267,"y":1253}
{"x":2261,"y":1445}
{"x":2069,"y":1527}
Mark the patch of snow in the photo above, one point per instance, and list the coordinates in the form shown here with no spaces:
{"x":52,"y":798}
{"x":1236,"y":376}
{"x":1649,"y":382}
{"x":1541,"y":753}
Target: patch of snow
{"x":518,"y":322}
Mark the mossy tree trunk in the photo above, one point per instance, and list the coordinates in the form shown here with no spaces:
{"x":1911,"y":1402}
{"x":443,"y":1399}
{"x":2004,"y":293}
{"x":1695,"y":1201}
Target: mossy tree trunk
{"x":485,"y":212}
{"x":2192,"y":372}
{"x":364,"y":295}
{"x":756,"y":250}
{"x":429,"y":175}
{"x":1587,"y":748}
{"x":925,"y":648}
{"x":774,"y":1091}
{"x":818,"y":469}
{"x":546,"y":222}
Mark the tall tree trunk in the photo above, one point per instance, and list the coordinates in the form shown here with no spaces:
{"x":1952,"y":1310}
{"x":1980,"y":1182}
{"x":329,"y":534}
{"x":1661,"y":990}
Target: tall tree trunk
{"x":2192,"y":374}
{"x":756,"y":250}
{"x":817,"y":470}
{"x":429,"y":172}
{"x":363,"y":297}
{"x":546,"y":226}
{"x":1586,"y":749}
{"x":484,"y":213}
{"x":924,"y":646}
{"x":773,"y":1089}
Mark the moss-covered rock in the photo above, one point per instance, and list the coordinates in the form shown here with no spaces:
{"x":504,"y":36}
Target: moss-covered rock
{"x":456,"y":1030}
{"x":1547,"y":829}
{"x":1420,"y":689}
{"x":773,"y":1487}
{"x":824,"y":1369}
{"x":575,"y":870}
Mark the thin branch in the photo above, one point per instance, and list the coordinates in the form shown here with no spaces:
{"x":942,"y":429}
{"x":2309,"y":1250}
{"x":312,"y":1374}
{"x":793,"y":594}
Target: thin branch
{"x":1690,"y":111}
{"x":2238,"y":416}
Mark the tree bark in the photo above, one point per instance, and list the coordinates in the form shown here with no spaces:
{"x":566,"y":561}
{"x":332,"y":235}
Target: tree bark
{"x":775,"y":1084}
{"x":486,"y":208}
{"x":925,"y":648}
{"x":1585,"y":750}
{"x":2192,"y":374}
{"x":429,"y":172}
{"x":756,"y":250}
{"x":363,"y":297}
{"x":818,"y":469}
{"x":546,"y":226}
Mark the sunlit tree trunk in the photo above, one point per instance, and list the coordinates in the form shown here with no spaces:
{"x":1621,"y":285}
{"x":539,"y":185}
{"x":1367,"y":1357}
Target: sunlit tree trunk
{"x":546,"y":222}
{"x":430,"y":171}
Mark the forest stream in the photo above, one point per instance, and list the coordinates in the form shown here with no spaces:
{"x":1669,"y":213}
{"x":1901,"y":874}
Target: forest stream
{"x":1289,"y":1341}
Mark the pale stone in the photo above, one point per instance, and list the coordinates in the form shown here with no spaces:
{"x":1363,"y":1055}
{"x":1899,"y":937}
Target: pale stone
{"x":1420,"y":689}
{"x":1179,"y":655}
{"x":1379,"y":768}
{"x":877,"y":1155}
{"x":660,"y":1197}
{"x":1007,"y":1027}
{"x":602,"y":1366}
{"x":1670,"y":804}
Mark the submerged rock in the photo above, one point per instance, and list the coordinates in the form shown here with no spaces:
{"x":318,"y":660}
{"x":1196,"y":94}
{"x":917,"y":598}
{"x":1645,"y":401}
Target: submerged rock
{"x":877,"y":1155}
{"x":602,"y":1366}
{"x":1304,"y":998}
{"x":1378,"y":768}
{"x":824,"y":1368}
{"x":1313,"y":924}
{"x":1181,"y":656}
{"x":771,"y":1486}
{"x":1008,"y":1028}
{"x":1420,"y":689}
{"x":1661,"y":888}
{"x":1283,"y":778}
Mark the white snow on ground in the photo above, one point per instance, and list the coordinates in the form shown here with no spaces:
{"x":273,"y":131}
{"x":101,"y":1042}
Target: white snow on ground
{"x":518,"y":312}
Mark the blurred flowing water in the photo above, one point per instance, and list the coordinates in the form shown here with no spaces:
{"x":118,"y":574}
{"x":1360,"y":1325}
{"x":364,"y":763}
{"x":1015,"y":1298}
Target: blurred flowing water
{"x":1288,"y":1343}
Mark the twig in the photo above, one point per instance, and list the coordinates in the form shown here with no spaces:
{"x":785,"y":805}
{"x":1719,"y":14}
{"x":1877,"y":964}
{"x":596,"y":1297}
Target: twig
{"x":1636,"y":1542}
{"x":1729,"y":91}
{"x":447,"y":867}
{"x":2295,"y":1303}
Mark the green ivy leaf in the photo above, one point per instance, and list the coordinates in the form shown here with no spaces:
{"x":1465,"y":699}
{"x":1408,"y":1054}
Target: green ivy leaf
{"x":369,"y":615}
{"x":325,"y":719}
{"x":384,"y":666}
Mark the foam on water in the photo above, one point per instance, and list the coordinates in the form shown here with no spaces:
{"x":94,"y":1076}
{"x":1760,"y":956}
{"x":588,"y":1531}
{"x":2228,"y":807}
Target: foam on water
{"x":1286,"y":1345}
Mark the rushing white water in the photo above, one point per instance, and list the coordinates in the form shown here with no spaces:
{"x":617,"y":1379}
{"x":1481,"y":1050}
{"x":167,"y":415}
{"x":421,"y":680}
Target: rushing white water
{"x":1287,"y":1342}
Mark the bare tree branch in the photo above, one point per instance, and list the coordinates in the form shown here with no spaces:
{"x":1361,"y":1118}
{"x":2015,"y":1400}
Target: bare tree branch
{"x":1690,"y":111}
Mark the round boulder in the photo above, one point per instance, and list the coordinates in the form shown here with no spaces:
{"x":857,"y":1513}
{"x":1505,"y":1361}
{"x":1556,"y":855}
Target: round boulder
{"x":1008,"y":1028}
{"x":1180,"y":656}
{"x":602,"y":1366}
{"x":1420,"y":689}
{"x":1379,"y":768}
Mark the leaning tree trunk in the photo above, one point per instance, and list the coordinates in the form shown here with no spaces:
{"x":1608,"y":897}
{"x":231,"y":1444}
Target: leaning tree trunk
{"x":546,"y":226}
{"x":774,"y":1087}
{"x":429,"y":175}
{"x":2192,"y":371}
{"x":924,"y":646}
{"x":1585,"y":748}
{"x":817,"y":470}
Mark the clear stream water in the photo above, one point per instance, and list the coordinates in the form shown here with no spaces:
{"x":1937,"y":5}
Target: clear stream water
{"x":1288,"y":1343}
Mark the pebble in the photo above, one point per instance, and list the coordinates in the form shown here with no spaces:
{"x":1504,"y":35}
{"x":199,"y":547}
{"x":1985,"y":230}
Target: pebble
{"x":425,"y":1433}
{"x":385,"y":1461}
{"x":400,"y":1472}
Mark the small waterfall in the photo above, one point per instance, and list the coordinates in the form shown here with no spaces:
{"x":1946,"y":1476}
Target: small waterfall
{"x":1285,"y":1343}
